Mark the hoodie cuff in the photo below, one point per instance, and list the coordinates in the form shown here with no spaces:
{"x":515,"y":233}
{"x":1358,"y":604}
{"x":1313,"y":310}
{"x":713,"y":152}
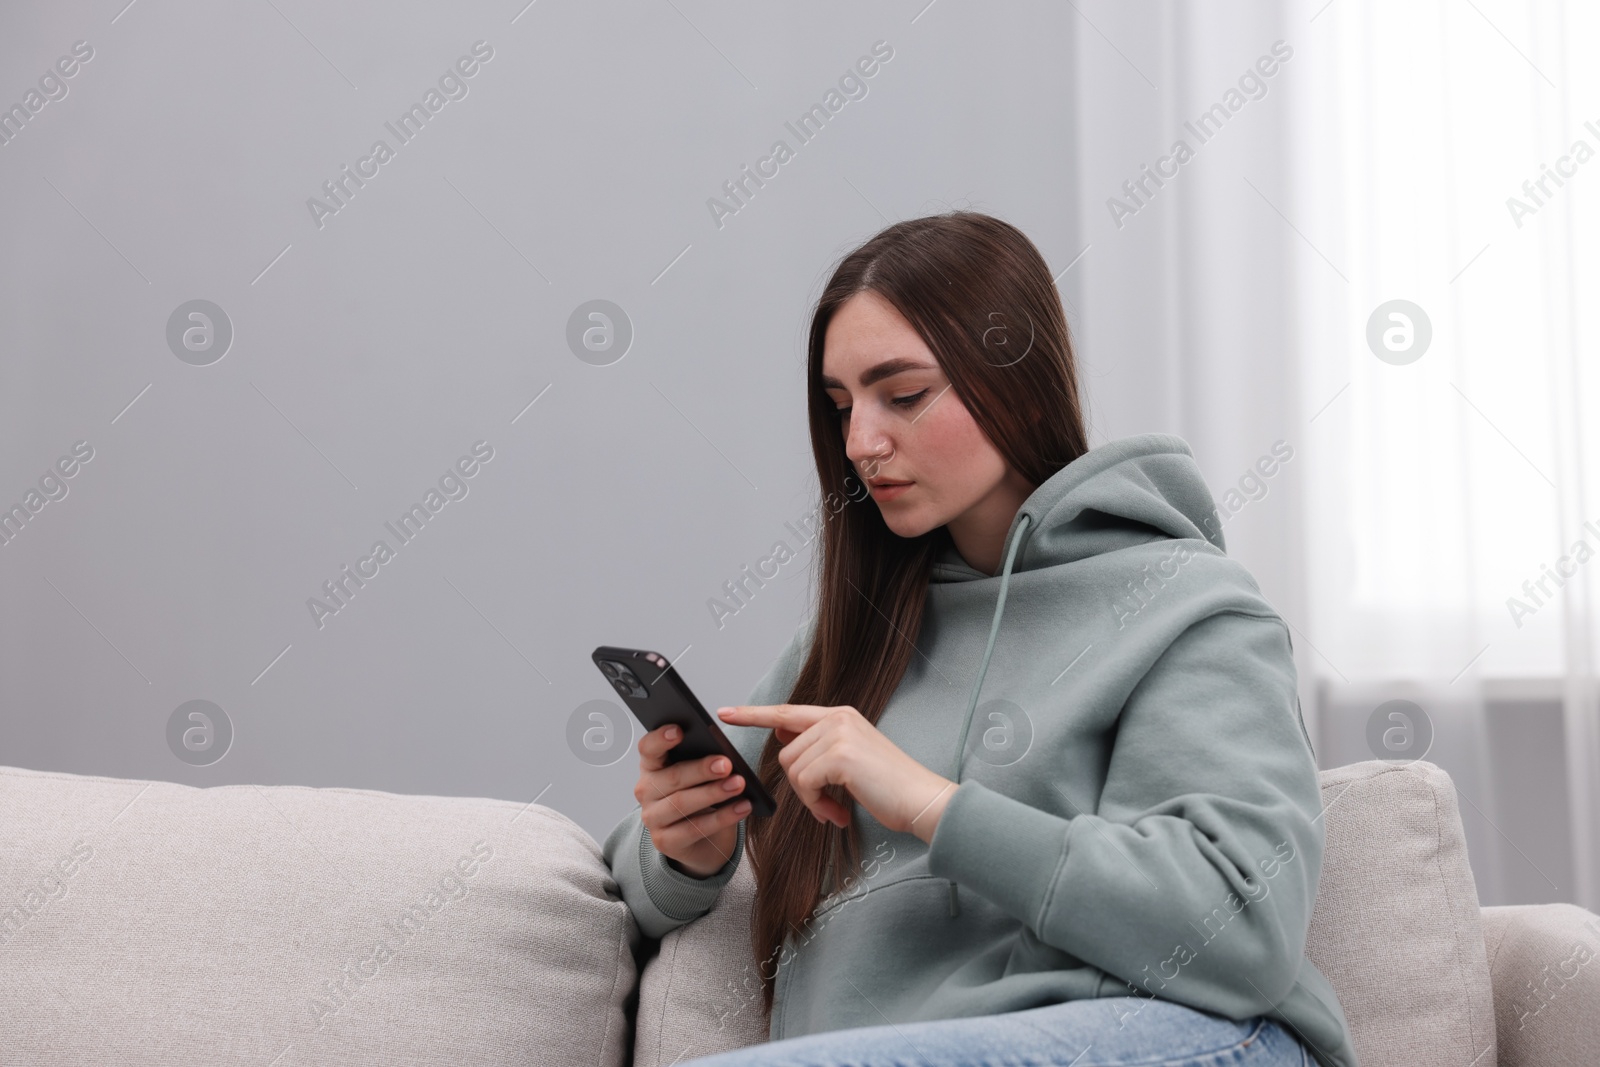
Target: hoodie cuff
{"x":680,"y":896}
{"x":1008,"y":851}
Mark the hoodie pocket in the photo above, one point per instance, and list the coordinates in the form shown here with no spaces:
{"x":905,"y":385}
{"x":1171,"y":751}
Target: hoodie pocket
{"x":888,"y":949}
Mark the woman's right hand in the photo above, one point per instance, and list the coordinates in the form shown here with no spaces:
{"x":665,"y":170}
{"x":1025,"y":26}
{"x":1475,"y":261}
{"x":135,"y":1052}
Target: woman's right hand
{"x":673,"y":799}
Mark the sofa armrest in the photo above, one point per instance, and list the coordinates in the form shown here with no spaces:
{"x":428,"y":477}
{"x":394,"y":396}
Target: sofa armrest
{"x":1544,"y":963}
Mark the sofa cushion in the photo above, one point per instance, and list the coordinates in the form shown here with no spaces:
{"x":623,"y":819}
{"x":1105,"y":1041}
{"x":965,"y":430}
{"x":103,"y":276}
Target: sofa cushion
{"x":152,"y":923}
{"x":1395,"y":930}
{"x":700,"y":994}
{"x":1396,"y":926}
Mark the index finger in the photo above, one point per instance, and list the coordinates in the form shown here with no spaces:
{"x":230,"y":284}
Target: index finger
{"x":654,"y":746}
{"x":793,"y":717}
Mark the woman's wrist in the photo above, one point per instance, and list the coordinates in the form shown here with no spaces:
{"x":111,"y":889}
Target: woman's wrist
{"x":926,"y":821}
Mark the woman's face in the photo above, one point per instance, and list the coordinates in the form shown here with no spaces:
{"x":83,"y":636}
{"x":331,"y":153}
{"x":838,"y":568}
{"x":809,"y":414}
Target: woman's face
{"x":904,"y":424}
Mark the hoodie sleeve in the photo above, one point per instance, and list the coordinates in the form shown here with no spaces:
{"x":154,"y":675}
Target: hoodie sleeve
{"x":661,"y":897}
{"x":1194,"y":873}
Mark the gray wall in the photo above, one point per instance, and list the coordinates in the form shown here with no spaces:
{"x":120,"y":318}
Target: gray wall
{"x":372,"y":351}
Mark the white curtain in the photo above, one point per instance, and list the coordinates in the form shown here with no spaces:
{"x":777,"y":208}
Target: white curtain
{"x":1233,"y":307}
{"x":1443,"y":491}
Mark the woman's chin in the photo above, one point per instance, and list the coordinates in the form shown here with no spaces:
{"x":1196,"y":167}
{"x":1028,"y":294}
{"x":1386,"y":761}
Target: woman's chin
{"x":907,"y":522}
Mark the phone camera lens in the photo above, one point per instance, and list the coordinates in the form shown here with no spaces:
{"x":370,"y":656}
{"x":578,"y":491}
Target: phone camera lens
{"x":622,"y":679}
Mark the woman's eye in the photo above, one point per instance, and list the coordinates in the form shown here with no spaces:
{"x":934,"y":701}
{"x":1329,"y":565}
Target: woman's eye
{"x":898,"y":401}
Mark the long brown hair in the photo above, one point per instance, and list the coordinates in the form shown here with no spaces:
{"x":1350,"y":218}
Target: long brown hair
{"x":981,"y":296}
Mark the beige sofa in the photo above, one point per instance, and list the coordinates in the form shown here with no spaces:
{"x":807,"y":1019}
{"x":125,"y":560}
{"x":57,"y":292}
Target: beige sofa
{"x":151,"y":923}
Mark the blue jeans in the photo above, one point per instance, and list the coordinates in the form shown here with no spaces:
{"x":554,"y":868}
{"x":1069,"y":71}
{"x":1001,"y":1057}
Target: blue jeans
{"x":1104,"y":1032}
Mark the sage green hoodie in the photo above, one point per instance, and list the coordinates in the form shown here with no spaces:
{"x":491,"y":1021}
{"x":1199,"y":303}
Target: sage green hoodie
{"x":1137,"y":810}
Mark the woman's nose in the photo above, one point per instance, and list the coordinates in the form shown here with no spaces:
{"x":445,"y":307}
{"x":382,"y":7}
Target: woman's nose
{"x":868,"y":450}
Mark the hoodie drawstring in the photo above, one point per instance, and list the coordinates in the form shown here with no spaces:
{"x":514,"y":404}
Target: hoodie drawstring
{"x":994,"y":629}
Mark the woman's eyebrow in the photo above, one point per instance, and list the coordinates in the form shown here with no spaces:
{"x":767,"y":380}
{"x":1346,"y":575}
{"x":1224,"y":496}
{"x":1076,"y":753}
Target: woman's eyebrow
{"x":880,"y":371}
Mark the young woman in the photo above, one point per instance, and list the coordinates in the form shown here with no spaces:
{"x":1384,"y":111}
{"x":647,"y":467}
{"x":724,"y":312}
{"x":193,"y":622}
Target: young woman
{"x":1109,"y":858}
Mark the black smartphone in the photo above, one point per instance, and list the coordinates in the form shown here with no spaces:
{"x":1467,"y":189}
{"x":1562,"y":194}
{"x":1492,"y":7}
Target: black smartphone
{"x":656,"y":695}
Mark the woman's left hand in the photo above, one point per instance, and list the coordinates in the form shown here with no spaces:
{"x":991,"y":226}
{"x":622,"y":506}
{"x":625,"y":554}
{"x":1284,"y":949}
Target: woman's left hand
{"x":838,"y":746}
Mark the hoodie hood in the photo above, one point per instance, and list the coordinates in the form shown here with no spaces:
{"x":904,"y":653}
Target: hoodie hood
{"x":1130,"y":491}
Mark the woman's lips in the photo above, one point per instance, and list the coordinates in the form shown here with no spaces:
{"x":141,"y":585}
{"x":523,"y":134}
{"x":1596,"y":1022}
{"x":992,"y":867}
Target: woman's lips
{"x":889,"y":491}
